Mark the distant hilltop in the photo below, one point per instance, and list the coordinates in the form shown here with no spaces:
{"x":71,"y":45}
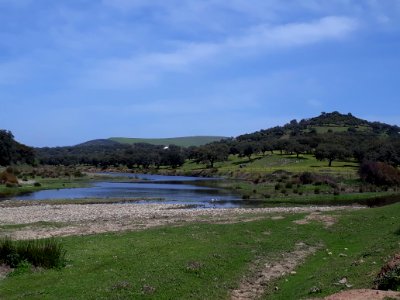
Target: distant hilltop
{"x":185,"y":141}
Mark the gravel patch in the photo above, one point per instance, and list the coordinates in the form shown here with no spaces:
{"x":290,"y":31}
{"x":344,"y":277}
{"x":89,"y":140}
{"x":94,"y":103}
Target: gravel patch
{"x":75,"y":219}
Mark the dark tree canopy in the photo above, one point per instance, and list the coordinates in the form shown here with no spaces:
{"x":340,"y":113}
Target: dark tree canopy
{"x":212,"y":153}
{"x":330,"y":152}
{"x":12,"y":152}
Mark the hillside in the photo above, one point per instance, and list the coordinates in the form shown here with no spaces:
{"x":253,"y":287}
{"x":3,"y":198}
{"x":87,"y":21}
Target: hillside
{"x":325,"y":123}
{"x":98,"y":143}
{"x":179,"y":141}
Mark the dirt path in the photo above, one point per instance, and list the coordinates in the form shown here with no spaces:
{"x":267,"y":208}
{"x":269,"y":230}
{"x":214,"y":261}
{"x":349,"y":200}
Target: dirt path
{"x":253,"y":287}
{"x":364,"y":295}
{"x":37,"y":221}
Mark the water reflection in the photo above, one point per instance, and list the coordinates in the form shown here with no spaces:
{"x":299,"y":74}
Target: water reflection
{"x":153,"y":188}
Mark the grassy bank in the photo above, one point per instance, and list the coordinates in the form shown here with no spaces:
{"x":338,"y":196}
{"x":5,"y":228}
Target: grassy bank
{"x":207,"y":261}
{"x":45,"y":184}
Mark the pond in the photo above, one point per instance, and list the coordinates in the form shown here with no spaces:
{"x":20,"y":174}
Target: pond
{"x":149,"y":189}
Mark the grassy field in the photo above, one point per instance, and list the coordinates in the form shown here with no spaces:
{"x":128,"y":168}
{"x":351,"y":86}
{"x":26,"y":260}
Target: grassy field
{"x":206,"y":261}
{"x":179,"y":141}
{"x":274,"y":162}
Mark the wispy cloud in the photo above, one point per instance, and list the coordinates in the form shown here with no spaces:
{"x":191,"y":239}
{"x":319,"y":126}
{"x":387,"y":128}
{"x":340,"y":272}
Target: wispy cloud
{"x":146,"y":68}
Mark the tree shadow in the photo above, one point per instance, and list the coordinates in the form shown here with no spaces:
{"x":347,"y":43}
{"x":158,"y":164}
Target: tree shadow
{"x":247,"y":161}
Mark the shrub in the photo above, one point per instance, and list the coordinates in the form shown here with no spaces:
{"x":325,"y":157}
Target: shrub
{"x":284,"y":177}
{"x":379,"y":173}
{"x":23,"y":267}
{"x":278,"y":186}
{"x":289,"y":185}
{"x":317,"y":191}
{"x":37,"y":184}
{"x":389,"y":276}
{"x":306,"y":178}
{"x":46,"y":253}
{"x":336,"y":192}
{"x":78,"y":173}
{"x":397,"y":231}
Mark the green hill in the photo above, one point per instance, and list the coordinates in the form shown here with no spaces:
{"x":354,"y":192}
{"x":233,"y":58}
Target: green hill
{"x":326,"y":122}
{"x":186,"y":141}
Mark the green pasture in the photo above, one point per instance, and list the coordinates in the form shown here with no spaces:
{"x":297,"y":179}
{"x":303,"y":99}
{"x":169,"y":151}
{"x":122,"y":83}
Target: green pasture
{"x":274,"y":162}
{"x":207,"y":261}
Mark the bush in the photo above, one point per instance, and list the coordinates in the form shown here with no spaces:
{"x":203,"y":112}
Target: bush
{"x":46,"y":253}
{"x":379,"y":173}
{"x":277,"y":186}
{"x":37,"y":184}
{"x":397,"y":231}
{"x":317,"y":191}
{"x":78,"y":173}
{"x":389,"y":276}
{"x":306,"y":178}
{"x":289,"y":185}
{"x":23,"y":267}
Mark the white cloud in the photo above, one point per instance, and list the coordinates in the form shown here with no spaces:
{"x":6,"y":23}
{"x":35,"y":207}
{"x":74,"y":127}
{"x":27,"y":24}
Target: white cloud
{"x":146,"y":68}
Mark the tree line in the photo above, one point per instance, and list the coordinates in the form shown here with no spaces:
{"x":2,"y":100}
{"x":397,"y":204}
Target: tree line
{"x":379,"y":142}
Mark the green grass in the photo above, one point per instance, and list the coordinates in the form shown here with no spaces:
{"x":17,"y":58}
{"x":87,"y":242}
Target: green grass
{"x":46,"y":253}
{"x":179,"y":141}
{"x":46,"y":184}
{"x":338,"y":128}
{"x":275,"y":162}
{"x":370,"y":238}
{"x":206,"y":261}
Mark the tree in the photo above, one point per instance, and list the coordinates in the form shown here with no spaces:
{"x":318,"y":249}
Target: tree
{"x":330,"y":152}
{"x":296,"y":147}
{"x":7,"y":147}
{"x":212,"y":153}
{"x":281,"y":145}
{"x":13,"y":152}
{"x":173,"y":156}
{"x":266,"y":146}
{"x":247,"y":149}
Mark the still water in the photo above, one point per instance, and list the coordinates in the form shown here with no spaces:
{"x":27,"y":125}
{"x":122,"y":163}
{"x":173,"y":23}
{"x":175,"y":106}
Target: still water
{"x":151,"y":188}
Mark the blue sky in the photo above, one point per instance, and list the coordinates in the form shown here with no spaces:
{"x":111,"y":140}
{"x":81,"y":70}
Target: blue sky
{"x":72,"y":71}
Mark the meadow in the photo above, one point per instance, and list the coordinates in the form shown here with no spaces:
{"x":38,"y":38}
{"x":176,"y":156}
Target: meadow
{"x":208,"y":260}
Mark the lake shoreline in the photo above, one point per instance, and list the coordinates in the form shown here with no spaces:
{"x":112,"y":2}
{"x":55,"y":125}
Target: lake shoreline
{"x":43,"y":220}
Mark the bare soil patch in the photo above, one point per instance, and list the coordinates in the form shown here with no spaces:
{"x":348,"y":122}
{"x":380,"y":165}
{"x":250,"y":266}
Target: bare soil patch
{"x":327,"y":220}
{"x":364,"y":294}
{"x":253,"y":287}
{"x":4,"y":271}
